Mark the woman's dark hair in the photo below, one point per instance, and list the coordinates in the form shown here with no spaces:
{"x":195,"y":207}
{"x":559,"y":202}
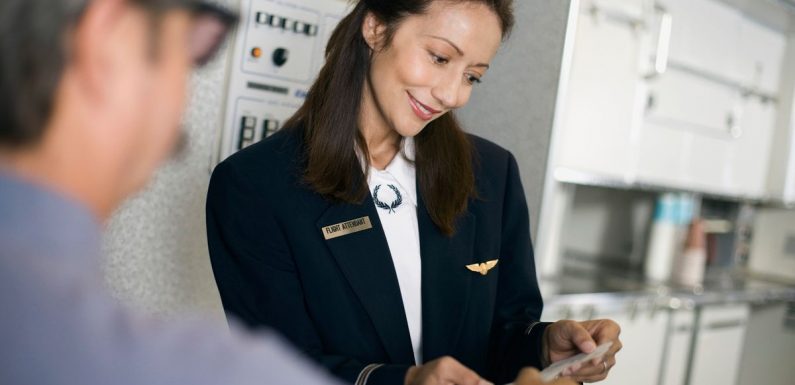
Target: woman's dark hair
{"x":331,"y":111}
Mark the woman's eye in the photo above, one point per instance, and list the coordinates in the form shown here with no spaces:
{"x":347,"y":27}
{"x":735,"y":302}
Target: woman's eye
{"x":438,"y":59}
{"x":471,"y":79}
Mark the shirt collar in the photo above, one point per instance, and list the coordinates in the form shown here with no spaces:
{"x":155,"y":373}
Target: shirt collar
{"x":401,"y":168}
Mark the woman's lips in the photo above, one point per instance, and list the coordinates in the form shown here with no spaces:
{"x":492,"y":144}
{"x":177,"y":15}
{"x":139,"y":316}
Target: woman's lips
{"x":421,"y":110}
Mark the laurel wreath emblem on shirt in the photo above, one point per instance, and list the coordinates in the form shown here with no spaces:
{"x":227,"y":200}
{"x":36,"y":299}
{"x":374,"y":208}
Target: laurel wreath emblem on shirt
{"x":392,"y":206}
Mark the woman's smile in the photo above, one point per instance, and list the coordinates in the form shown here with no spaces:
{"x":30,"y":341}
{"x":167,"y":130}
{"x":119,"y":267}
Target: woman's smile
{"x":422,"y":111}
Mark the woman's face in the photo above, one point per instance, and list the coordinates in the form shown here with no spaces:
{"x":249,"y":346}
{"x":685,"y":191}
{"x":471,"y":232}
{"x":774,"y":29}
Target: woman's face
{"x":431,"y":65}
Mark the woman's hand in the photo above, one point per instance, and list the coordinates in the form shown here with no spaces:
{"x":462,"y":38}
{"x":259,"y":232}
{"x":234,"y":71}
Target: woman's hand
{"x":448,"y":371}
{"x":443,"y":371}
{"x":564,"y":339}
{"x":531,"y":376}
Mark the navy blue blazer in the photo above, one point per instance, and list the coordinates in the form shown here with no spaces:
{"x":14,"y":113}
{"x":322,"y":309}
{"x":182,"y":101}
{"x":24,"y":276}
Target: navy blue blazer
{"x":339,"y":301}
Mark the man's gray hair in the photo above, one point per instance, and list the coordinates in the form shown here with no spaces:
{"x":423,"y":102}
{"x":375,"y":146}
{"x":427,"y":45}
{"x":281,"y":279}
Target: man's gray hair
{"x":33,"y":53}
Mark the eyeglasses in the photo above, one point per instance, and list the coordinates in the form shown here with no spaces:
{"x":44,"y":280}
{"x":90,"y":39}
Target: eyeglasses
{"x":211,"y":24}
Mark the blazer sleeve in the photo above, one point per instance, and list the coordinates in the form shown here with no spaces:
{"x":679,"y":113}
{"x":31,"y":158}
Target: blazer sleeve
{"x":516,"y":336}
{"x":257,"y":278}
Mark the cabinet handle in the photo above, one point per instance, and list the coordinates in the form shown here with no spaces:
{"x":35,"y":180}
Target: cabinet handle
{"x":663,"y":42}
{"x":651,"y":101}
{"x":727,"y":324}
{"x":732,"y":127}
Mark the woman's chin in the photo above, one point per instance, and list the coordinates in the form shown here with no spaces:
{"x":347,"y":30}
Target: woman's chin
{"x":410,"y":131}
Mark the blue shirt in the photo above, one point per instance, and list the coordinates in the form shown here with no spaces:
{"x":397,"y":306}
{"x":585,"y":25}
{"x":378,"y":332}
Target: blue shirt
{"x":58,"y":324}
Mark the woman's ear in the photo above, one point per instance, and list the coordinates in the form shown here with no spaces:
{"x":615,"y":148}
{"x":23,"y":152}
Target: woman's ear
{"x":373,"y":31}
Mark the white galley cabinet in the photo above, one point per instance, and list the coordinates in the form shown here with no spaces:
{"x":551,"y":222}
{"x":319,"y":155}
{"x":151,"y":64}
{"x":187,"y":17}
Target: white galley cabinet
{"x":666,"y":345}
{"x":655,"y":94}
{"x":709,"y":117}
{"x":719,"y":344}
{"x":681,"y":326}
{"x":601,"y":90}
{"x":781,"y":178}
{"x":643,"y":334}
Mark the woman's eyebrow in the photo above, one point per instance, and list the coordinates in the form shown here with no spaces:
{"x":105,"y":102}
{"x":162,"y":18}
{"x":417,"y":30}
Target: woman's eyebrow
{"x":460,"y":52}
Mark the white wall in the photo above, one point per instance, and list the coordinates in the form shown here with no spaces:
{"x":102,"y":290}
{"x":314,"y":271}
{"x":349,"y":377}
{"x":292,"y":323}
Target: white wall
{"x":515,"y":105}
{"x":156,"y":245}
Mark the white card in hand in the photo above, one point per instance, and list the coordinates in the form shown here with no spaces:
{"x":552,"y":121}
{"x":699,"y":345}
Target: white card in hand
{"x":553,"y":371}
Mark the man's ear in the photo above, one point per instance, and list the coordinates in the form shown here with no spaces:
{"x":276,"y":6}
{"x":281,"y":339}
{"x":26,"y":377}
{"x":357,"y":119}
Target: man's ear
{"x":91,"y":45}
{"x":373,"y":31}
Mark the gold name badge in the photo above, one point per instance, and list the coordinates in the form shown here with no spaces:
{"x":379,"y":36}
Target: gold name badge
{"x":345,"y":228}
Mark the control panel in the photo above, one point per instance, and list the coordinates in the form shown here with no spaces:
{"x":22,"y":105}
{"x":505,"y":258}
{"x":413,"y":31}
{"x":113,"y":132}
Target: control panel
{"x":278,"y":50}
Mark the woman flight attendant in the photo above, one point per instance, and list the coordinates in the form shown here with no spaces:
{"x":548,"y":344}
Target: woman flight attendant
{"x":373,"y":232}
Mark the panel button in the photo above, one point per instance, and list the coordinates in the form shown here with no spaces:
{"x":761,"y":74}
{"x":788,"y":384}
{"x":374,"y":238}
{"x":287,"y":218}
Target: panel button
{"x":279,"y":22}
{"x":280,"y":56}
{"x":249,"y":122}
{"x":248,"y":133}
{"x":264,"y":18}
{"x":310,"y":29}
{"x":248,"y":126}
{"x":269,"y":126}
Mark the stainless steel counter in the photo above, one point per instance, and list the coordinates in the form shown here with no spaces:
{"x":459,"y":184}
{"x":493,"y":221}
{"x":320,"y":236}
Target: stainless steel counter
{"x":622,"y":290}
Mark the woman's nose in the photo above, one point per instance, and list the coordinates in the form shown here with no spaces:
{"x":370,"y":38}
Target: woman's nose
{"x":448,"y":91}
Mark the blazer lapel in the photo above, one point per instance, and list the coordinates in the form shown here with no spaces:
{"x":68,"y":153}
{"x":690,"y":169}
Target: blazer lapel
{"x":445,"y":281}
{"x":365,"y":261}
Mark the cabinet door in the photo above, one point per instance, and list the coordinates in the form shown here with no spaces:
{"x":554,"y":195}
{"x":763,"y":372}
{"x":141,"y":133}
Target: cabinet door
{"x":677,"y":352}
{"x":750,"y":151}
{"x":704,"y":36}
{"x":601,"y":93}
{"x":639,"y":361}
{"x":762,"y":55}
{"x":770,"y":346}
{"x":719,"y":344}
{"x":760,"y":63}
{"x":773,"y":246}
{"x":781,"y":177}
{"x":687,"y":132}
{"x":700,"y":131}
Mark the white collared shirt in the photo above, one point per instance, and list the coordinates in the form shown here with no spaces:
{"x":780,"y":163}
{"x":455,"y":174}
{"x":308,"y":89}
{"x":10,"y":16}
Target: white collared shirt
{"x":396,"y":204}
